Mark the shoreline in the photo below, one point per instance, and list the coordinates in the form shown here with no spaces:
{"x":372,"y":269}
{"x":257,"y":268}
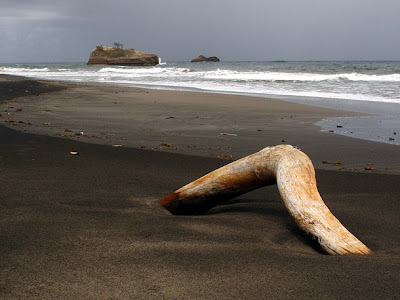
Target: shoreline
{"x":193,"y":123}
{"x":384,"y":120}
{"x":90,"y":226}
{"x":383,"y":127}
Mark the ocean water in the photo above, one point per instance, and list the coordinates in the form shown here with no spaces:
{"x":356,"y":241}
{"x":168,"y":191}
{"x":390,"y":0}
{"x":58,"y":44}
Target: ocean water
{"x":365,"y":86}
{"x":363,"y":81}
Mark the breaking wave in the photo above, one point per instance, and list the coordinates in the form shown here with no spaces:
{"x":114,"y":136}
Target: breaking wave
{"x":369,"y":81}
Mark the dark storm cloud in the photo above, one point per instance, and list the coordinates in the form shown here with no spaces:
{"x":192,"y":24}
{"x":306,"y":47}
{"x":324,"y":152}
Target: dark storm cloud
{"x":44,"y":30}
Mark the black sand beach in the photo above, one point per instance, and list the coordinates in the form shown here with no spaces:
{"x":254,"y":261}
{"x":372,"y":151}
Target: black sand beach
{"x":89,"y":225}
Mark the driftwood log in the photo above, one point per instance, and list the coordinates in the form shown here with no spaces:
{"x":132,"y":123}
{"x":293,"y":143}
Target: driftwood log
{"x":293,"y":172}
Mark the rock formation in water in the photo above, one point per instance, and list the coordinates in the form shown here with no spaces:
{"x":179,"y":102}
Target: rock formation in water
{"x":121,"y":57}
{"x":202,"y":58}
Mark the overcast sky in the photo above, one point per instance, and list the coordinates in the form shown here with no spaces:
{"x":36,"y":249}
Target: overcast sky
{"x":67,"y":30}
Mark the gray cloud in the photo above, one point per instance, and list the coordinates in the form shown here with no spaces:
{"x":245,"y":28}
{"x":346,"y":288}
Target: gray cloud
{"x":45,"y":30}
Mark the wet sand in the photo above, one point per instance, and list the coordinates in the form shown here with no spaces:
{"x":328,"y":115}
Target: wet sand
{"x":89,"y":225}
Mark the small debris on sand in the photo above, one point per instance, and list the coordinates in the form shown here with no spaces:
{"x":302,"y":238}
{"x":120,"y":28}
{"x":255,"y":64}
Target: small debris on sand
{"x":165,"y":145}
{"x":231,"y":134}
{"x":221,"y":155}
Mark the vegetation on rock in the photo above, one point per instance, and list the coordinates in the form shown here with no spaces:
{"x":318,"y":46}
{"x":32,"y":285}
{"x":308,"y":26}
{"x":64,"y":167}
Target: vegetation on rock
{"x":112,"y":52}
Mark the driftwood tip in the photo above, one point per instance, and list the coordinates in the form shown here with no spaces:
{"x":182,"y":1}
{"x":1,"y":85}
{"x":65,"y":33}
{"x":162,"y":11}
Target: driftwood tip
{"x":355,"y":247}
{"x":170,"y":202}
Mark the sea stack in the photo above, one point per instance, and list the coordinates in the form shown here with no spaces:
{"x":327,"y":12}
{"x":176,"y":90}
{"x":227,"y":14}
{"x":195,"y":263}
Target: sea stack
{"x":202,"y":58}
{"x":102,"y":55}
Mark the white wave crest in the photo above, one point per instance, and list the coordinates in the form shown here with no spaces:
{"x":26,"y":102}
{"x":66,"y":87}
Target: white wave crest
{"x":366,"y":77}
{"x":23,"y":70}
{"x":154,"y":72}
{"x":283,"y":76}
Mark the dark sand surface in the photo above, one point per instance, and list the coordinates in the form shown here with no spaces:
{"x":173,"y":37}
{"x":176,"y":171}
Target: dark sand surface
{"x":89,"y":226}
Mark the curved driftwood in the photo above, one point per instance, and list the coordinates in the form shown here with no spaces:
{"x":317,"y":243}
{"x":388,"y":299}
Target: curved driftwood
{"x":294,"y":174}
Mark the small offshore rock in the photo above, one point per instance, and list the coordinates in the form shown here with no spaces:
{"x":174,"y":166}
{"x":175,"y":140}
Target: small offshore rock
{"x":202,"y":58}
